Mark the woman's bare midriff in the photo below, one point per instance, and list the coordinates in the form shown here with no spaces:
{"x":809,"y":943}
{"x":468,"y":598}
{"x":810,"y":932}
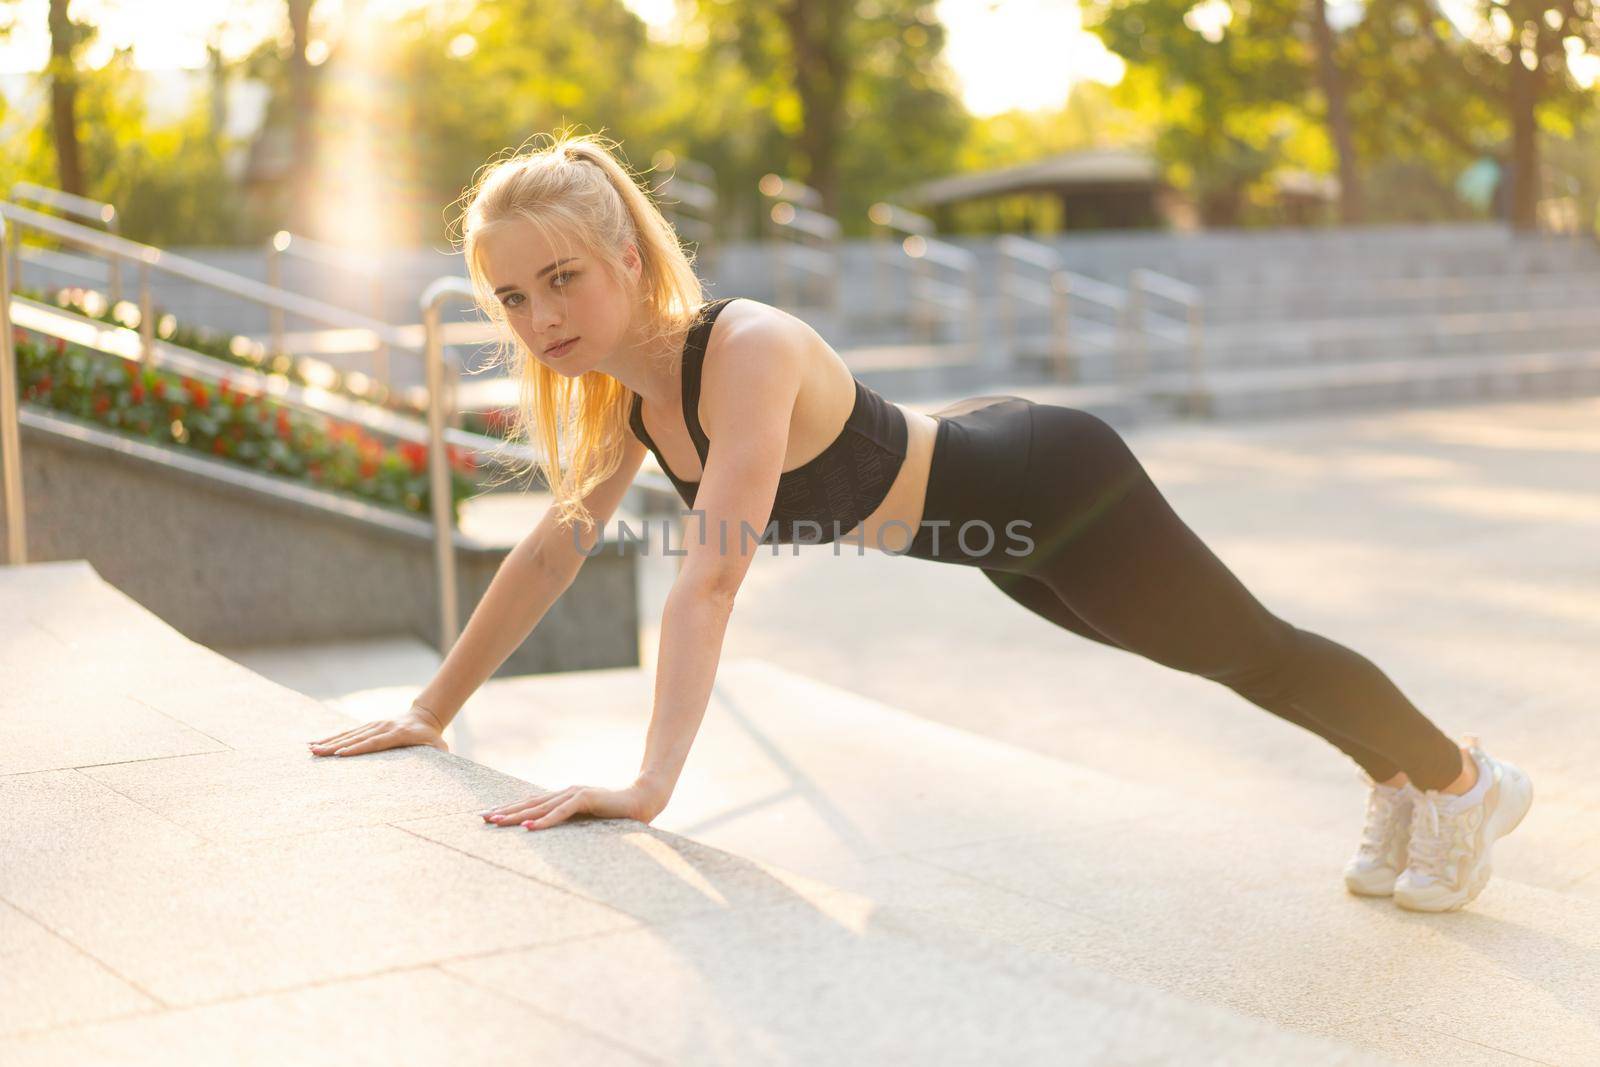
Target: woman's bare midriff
{"x":822,"y":407}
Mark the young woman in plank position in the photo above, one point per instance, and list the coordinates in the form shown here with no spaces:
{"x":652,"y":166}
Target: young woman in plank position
{"x":606,"y":329}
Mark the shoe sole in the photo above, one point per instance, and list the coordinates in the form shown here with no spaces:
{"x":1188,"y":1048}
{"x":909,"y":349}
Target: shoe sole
{"x":1516,"y":797}
{"x":1377,"y":887}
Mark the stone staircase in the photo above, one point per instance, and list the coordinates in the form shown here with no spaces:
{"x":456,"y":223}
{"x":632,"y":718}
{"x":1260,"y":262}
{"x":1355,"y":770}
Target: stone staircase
{"x":1298,"y":325}
{"x":184,"y":883}
{"x":835,"y":878}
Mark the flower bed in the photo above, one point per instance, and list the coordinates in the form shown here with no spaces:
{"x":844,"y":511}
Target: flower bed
{"x":231,"y":422}
{"x":244,"y":352}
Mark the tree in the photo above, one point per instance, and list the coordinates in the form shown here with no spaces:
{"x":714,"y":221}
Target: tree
{"x":66,"y":39}
{"x":302,"y":111}
{"x":1331,"y":78}
{"x":857,"y":90}
{"x":1230,"y":97}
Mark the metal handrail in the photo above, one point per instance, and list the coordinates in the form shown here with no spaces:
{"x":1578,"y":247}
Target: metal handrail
{"x":283,"y":242}
{"x":777,"y":187}
{"x":72,"y":204}
{"x":113,"y":341}
{"x":920,"y":252}
{"x":150,"y":258}
{"x":1141,"y":281}
{"x":435,"y":358}
{"x":1011,"y":284}
{"x":10,"y":434}
{"x":1057,"y":295}
{"x":806,"y":238}
{"x":692,"y":207}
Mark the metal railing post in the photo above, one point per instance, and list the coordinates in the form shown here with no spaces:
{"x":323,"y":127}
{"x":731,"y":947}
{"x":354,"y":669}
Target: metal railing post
{"x":1196,"y":360}
{"x":275,"y":326}
{"x":1002,"y":359}
{"x":1137,"y":356}
{"x":10,"y":432}
{"x":147,"y":314}
{"x":79,"y":207}
{"x":1061,"y":324}
{"x":1006,"y":303}
{"x":380,"y":354}
{"x":115,"y":262}
{"x":439,"y":393}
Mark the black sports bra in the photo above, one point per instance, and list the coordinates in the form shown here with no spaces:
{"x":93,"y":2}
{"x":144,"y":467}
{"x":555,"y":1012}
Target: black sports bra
{"x":836,"y":489}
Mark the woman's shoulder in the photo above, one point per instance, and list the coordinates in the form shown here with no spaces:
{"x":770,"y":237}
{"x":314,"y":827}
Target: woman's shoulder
{"x":743,"y":320}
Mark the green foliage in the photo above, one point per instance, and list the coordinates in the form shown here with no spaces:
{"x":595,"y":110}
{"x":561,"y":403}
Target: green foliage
{"x":459,"y":83}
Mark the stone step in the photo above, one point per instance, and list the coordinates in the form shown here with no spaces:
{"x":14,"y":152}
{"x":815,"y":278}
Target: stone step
{"x":1328,"y":387}
{"x":1361,"y":296}
{"x":185,"y":884}
{"x":1238,"y":904}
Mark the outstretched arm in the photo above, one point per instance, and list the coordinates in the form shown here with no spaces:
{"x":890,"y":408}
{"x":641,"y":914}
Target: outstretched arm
{"x":528,"y":581}
{"x":749,"y":394}
{"x":749,"y":398}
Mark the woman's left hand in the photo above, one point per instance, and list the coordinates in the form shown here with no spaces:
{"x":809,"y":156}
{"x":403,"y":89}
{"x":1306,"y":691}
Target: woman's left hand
{"x":543,"y":810}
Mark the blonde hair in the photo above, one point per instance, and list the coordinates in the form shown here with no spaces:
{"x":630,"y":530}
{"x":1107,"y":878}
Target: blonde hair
{"x":574,"y":187}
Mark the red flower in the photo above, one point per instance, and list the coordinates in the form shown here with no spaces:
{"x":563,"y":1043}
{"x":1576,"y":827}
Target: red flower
{"x":45,"y":383}
{"x":415,"y":454}
{"x":315,"y":470}
{"x":175,"y":411}
{"x":284,"y":432}
{"x":136,"y":393}
{"x":220,"y":447}
{"x":369,"y":467}
{"x":102,"y":403}
{"x":160,"y":389}
{"x":59,"y":345}
{"x":237,"y":400}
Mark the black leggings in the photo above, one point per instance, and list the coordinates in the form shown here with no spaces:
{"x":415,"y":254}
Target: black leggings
{"x":1062,"y":517}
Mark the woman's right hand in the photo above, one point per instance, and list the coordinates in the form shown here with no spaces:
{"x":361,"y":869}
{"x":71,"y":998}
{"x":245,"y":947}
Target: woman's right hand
{"x":418,"y":726}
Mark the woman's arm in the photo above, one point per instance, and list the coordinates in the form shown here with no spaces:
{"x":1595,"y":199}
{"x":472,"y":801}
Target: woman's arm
{"x":530,"y":579}
{"x":749,"y":401}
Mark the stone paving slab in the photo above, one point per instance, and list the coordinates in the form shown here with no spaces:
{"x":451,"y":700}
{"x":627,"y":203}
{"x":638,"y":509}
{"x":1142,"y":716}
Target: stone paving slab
{"x":51,"y":965}
{"x":634,"y":868}
{"x":1272,"y":936}
{"x":285,"y":790}
{"x":191,"y":925}
{"x":1410,"y":1042}
{"x":418,"y":1017}
{"x":49,"y":731}
{"x":785,"y":985}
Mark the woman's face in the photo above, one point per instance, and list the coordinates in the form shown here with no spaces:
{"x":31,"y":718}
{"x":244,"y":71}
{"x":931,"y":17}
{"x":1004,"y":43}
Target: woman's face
{"x":552,"y":291}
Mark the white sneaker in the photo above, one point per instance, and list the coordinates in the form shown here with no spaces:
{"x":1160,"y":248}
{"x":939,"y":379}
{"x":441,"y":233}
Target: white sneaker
{"x":1451,"y":836}
{"x":1381,"y":856}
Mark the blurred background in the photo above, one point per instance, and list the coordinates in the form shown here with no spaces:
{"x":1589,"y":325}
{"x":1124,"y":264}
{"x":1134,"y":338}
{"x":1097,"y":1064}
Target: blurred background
{"x":356,"y":121}
{"x":231,"y":268}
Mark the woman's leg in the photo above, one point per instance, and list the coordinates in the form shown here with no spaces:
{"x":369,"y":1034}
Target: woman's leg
{"x":1109,"y":545}
{"x":1040,"y":599}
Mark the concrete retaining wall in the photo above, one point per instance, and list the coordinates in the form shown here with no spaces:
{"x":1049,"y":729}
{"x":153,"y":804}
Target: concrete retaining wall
{"x":235,"y":557}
